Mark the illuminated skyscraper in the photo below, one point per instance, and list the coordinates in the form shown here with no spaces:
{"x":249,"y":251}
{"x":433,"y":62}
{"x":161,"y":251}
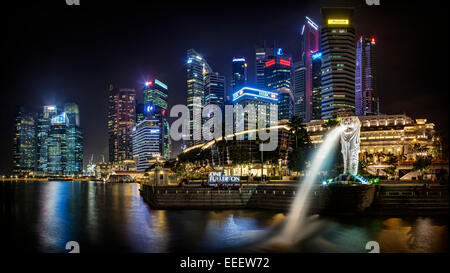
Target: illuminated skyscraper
{"x":303,"y":93}
{"x":316,"y":86}
{"x":299,"y":89}
{"x":278,"y":79}
{"x":24,"y":149}
{"x":215,"y":89}
{"x":121,"y":119}
{"x":155,"y":93}
{"x":153,"y":109}
{"x":262,"y":55}
{"x":52,"y":140}
{"x":74,"y":139}
{"x":258,"y":98}
{"x":196,"y":69}
{"x":159,"y":117}
{"x":338,"y":62}
{"x":366,"y":99}
{"x":140,"y":112}
{"x":57,"y":144}
{"x":43,"y":132}
{"x":146,"y":139}
{"x":239,"y":78}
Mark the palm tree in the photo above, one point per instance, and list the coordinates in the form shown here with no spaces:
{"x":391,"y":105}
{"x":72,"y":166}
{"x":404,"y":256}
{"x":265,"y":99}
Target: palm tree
{"x":422,"y":164}
{"x":379,"y":155}
{"x":419,"y":148}
{"x":296,"y":126}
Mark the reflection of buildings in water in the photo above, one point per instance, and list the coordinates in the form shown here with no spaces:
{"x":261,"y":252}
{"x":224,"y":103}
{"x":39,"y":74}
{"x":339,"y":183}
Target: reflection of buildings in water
{"x":146,"y":229}
{"x":420,"y":235}
{"x":427,"y":236}
{"x":276,"y":219}
{"x":264,"y":218}
{"x":185,"y":232}
{"x":235,"y":228}
{"x":401,"y":236}
{"x":54,"y":221}
{"x":92,"y":212}
{"x":230,"y":231}
{"x":393,"y":236}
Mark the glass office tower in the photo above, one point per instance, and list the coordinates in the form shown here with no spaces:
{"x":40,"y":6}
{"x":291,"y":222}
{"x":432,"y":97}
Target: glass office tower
{"x":24,"y":149}
{"x":338,"y":62}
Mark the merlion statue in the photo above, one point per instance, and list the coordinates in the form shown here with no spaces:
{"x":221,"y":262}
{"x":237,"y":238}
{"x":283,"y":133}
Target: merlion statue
{"x":350,"y":144}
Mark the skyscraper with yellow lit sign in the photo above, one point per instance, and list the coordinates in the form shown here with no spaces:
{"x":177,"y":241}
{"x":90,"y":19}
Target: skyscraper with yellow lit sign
{"x":338,"y":62}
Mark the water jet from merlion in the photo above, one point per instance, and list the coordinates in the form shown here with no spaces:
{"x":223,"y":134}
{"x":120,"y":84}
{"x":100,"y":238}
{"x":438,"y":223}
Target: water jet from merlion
{"x":349,"y":133}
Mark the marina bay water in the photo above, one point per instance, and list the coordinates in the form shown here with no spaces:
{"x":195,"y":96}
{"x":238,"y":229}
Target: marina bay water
{"x":43,"y":216}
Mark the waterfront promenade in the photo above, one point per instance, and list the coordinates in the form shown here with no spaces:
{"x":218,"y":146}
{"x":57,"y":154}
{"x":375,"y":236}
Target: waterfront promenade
{"x":31,"y":179}
{"x":384,"y":199}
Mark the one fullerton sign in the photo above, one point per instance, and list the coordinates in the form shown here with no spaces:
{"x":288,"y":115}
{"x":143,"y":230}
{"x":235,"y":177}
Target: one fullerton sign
{"x":219,"y":178}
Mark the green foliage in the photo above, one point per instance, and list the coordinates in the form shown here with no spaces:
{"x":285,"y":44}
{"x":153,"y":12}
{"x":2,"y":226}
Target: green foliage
{"x":362,"y":167}
{"x":419,"y":148}
{"x":330,"y":123}
{"x":297,"y":160}
{"x":422,"y":163}
{"x":392,"y":170}
{"x":298,"y":155}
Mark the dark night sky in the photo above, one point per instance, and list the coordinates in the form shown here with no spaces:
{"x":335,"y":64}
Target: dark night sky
{"x":53,"y":53}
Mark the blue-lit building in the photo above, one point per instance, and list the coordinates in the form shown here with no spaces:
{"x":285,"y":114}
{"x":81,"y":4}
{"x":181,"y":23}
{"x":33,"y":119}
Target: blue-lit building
{"x":159,"y":115}
{"x":278,"y":79}
{"x":49,"y":142}
{"x":196,"y":69}
{"x":24,"y":149}
{"x":57,"y":145}
{"x":74,"y":140}
{"x":155,"y":93}
{"x":256,"y":97}
{"x":43,"y":132}
{"x":215,"y":91}
{"x":146,"y":140}
{"x":155,"y":108}
{"x":59,"y":141}
{"x":239,"y":78}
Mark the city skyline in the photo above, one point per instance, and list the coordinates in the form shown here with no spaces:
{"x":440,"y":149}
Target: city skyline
{"x":48,"y":78}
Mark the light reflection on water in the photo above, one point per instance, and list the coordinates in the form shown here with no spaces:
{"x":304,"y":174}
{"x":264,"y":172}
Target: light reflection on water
{"x":43,"y":216}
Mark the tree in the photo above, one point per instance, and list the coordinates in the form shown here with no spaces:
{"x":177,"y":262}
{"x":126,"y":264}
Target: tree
{"x":392,"y":159}
{"x":297,"y":156}
{"x":392,"y":162}
{"x":422,"y":164}
{"x":239,"y":156}
{"x":297,"y":160}
{"x":379,"y":156}
{"x":362,"y":166}
{"x":296,"y":127}
{"x":420,"y":149}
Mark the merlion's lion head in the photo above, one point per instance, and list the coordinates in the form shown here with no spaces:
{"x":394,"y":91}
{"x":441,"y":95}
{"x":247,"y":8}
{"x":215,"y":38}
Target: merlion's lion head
{"x":351,"y":125}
